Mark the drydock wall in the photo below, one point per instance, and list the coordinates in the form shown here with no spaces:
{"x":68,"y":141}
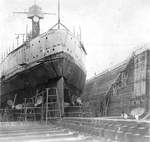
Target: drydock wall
{"x":122,"y":89}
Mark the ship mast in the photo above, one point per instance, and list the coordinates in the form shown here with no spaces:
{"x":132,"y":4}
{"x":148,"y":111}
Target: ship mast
{"x":35,"y":14}
{"x":58,"y":14}
{"x":58,"y":25}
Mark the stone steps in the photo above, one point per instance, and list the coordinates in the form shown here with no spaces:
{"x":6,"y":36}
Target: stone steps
{"x":114,"y":130}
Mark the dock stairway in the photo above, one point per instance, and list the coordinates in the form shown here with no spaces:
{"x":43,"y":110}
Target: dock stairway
{"x":53,"y":110}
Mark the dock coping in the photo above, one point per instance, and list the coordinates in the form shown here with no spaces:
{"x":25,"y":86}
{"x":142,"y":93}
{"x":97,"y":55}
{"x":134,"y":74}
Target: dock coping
{"x":110,"y":119}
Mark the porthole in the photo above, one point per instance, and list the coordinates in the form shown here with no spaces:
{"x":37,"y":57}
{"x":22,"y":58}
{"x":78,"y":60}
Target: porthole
{"x":39,"y":41}
{"x":53,"y":49}
{"x":46,"y":37}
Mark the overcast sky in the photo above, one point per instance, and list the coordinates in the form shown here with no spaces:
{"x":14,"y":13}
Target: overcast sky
{"x":111,"y":29}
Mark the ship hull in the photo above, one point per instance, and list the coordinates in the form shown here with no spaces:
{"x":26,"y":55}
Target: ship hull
{"x":45,"y":74}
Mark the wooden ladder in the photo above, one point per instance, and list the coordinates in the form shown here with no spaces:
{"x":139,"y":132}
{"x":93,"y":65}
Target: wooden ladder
{"x":29,"y":112}
{"x":53,"y":110}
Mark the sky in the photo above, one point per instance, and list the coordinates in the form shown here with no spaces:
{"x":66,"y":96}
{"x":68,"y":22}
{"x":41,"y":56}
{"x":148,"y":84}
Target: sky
{"x":111,"y":29}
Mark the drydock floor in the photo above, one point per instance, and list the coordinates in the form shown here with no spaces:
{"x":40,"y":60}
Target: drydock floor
{"x":76,"y":130}
{"x":36,"y":132}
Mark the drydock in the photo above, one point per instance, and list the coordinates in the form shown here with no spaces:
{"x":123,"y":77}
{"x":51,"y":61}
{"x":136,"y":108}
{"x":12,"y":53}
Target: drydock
{"x":44,"y":96}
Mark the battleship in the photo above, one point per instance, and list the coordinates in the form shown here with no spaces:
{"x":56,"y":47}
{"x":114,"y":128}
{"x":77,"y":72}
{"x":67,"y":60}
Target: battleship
{"x":54,"y":59}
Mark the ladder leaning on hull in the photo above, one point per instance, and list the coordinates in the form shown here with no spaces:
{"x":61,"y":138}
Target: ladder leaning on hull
{"x":53,"y":110}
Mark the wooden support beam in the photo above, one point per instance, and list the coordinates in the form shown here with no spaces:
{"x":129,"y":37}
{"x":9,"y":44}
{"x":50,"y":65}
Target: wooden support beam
{"x":60,"y":88}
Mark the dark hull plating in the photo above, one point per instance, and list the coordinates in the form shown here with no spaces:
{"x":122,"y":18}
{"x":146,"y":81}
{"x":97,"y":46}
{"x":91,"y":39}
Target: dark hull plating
{"x":44,"y":74}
